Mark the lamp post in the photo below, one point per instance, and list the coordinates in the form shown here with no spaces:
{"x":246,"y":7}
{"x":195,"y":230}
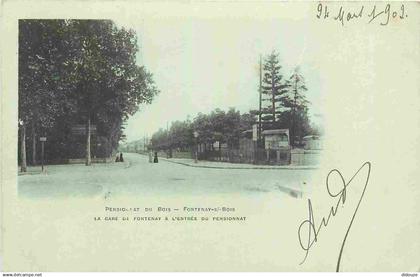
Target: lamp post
{"x":42,"y":140}
{"x":23,"y":145}
{"x":196,"y":145}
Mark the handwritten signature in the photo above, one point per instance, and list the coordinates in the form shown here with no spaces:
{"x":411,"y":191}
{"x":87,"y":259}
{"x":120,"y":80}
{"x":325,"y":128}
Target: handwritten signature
{"x":309,"y":225}
{"x":381,"y":14}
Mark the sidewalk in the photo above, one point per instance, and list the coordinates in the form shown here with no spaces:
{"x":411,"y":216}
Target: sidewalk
{"x":53,"y":168}
{"x":225,"y":165}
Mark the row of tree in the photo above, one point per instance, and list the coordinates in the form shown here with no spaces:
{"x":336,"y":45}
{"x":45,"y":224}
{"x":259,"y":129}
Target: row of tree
{"x":77,"y":73}
{"x":221,"y":126}
{"x":283,"y":105}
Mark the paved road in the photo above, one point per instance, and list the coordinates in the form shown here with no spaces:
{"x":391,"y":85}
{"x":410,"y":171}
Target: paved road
{"x":137,"y":176}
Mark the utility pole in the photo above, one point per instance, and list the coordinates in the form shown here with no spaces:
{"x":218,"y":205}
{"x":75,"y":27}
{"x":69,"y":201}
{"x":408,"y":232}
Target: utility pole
{"x":168,"y":139}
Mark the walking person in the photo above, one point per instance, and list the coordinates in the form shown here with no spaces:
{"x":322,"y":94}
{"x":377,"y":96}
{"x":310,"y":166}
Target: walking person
{"x":121,"y":157}
{"x":150,"y":157}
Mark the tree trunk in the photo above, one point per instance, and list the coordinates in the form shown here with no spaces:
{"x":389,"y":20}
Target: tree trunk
{"x":33,"y":145}
{"x":274,"y":100}
{"x":88,"y":158}
{"x":220,"y":151}
{"x":23,"y":148}
{"x":274,"y":110}
{"x":293,"y":129}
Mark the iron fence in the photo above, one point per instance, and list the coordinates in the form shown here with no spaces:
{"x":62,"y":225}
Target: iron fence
{"x":252,"y":156}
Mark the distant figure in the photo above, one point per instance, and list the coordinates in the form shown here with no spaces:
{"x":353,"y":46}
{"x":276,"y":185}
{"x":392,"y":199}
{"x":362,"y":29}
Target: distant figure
{"x":155,"y":160}
{"x":150,"y":157}
{"x":121,"y":157}
{"x":117,"y":158}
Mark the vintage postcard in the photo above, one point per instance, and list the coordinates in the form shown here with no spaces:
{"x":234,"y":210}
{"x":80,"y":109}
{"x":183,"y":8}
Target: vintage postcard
{"x":210,"y":136}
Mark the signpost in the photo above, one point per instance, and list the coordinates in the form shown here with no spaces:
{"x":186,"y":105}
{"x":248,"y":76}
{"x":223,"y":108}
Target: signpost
{"x":80,"y":129}
{"x":255,"y":132}
{"x":42,"y":140}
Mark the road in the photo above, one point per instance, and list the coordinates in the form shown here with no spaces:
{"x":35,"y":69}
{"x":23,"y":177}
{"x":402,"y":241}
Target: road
{"x":59,"y":207}
{"x":136,"y":176}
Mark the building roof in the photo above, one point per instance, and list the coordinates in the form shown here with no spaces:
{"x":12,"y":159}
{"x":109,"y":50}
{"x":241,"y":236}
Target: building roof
{"x":275,"y":132}
{"x":311,"y":137}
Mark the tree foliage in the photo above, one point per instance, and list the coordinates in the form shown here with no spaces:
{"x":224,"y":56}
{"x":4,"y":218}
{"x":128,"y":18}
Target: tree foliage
{"x":295,"y":100}
{"x":218,"y":125}
{"x":274,"y":89}
{"x":79,"y":72}
{"x":284,"y":101}
{"x":284,"y":106}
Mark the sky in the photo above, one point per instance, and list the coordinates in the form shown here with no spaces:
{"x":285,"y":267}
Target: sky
{"x":200,"y":64}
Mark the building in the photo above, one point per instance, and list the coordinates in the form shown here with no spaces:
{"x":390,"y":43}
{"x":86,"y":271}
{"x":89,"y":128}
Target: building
{"x":276,"y":139}
{"x":313,"y":142}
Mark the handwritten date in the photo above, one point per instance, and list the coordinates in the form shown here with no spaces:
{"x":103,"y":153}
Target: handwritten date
{"x":382,"y":13}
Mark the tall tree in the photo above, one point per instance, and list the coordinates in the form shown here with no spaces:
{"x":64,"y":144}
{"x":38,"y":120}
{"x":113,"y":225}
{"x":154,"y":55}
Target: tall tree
{"x":105,"y":72}
{"x":42,"y":95}
{"x":159,"y":140}
{"x":233,"y":128}
{"x":247,"y":120}
{"x":274,"y":89}
{"x":297,"y":103}
{"x":181,"y":134}
{"x":202,"y":124}
{"x":73,"y":70}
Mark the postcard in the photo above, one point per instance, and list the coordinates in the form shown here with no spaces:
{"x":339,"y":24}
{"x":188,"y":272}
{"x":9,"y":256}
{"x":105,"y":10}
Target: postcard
{"x":251,"y":136}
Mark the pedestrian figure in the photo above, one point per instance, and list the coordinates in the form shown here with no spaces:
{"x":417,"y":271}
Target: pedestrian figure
{"x":150,"y":157}
{"x":155,"y":160}
{"x":121,"y":157}
{"x":117,"y":158}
